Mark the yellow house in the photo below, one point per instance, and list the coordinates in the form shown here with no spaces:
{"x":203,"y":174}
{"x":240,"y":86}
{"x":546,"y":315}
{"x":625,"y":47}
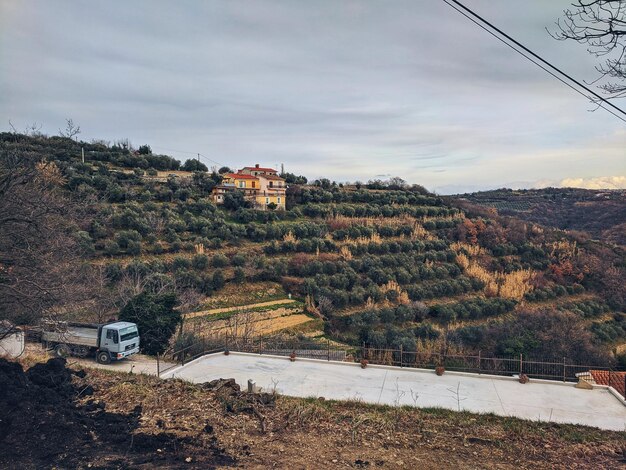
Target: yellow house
{"x":261,"y":186}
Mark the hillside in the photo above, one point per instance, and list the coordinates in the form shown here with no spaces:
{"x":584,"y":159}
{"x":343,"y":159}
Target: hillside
{"x":601,"y":213}
{"x":391,"y":267}
{"x":67,"y":418}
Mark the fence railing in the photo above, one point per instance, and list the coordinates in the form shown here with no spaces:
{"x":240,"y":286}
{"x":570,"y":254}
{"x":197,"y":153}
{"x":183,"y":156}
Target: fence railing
{"x":561,"y":370}
{"x":323,"y":350}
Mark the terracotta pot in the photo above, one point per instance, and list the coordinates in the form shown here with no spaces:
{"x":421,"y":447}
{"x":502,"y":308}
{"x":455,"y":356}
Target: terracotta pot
{"x":292,"y":357}
{"x":364,"y":363}
{"x":439,"y":370}
{"x":226,"y":352}
{"x":523,"y":378}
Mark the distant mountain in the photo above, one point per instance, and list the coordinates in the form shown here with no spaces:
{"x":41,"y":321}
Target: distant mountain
{"x":601,"y":213}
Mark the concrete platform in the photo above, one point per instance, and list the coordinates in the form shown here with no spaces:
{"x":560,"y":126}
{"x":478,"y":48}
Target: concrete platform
{"x":537,"y":400}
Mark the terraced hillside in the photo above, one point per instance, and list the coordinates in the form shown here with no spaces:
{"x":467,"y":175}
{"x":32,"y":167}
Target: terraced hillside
{"x":601,"y":213}
{"x":389,"y":267}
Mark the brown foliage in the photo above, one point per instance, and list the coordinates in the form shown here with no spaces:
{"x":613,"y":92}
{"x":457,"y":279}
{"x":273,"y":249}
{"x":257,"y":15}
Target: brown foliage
{"x":40,"y":266}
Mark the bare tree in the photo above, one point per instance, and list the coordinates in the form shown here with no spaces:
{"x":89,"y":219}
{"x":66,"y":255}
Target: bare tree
{"x":33,"y":130}
{"x":71,"y":130}
{"x":40,"y":266}
{"x":601,"y":25}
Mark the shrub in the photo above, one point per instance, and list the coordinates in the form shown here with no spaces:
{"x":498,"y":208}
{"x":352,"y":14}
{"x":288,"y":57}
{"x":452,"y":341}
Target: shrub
{"x":200,"y":262}
{"x":219,"y":261}
{"x":155,"y":317}
{"x":218,"y":279}
{"x":238,"y":260}
{"x":240,"y":276}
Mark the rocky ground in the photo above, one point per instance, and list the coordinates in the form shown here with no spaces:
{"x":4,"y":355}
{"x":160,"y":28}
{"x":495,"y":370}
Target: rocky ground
{"x":52,"y":416}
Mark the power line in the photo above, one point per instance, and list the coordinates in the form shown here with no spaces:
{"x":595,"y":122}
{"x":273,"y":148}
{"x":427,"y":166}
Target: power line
{"x":481,"y":19}
{"x":532,"y":60}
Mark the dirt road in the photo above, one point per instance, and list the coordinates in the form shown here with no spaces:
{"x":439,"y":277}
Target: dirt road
{"x":137,"y":364}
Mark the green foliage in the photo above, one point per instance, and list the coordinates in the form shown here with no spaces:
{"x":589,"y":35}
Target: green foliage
{"x":240,"y":276}
{"x":144,"y":150}
{"x":155,"y":317}
{"x":200,"y":262}
{"x":194,"y":165}
{"x":234,"y":200}
{"x":218,"y":279}
{"x":219,"y":261}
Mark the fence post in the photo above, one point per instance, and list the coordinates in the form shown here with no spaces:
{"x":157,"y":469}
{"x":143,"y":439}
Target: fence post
{"x":479,"y":362}
{"x":328,"y":348}
{"x":401,"y":349}
{"x":563,"y":369}
{"x":158,"y":366}
{"x":521,"y":364}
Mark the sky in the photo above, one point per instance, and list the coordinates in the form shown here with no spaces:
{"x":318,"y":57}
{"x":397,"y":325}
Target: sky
{"x":350,"y":90}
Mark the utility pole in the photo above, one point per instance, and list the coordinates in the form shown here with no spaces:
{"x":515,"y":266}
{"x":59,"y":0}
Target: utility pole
{"x":82,"y":151}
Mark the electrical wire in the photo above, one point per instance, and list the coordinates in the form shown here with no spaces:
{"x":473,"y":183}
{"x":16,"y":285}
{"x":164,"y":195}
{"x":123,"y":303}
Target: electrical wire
{"x":452,"y":5}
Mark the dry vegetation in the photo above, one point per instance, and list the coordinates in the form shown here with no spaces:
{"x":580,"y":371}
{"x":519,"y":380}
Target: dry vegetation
{"x":513,"y":285}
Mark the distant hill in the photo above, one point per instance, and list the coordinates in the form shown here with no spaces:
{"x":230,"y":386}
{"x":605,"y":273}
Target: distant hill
{"x":601,"y":213}
{"x":393,"y":266}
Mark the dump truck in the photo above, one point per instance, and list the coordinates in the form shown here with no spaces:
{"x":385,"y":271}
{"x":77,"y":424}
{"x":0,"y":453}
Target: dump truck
{"x":107,"y":342}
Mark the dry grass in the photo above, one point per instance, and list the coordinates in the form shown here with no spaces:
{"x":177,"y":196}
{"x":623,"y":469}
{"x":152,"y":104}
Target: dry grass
{"x":345,"y":253}
{"x":250,"y":323}
{"x":374,"y":238}
{"x":289,"y":237}
{"x":402,"y":297}
{"x":513,"y":285}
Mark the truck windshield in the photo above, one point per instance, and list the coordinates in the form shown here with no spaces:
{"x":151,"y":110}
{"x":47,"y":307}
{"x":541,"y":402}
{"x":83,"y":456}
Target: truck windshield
{"x":128,"y":333}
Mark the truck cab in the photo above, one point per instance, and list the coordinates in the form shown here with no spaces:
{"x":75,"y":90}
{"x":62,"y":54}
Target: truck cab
{"x":116,"y":341}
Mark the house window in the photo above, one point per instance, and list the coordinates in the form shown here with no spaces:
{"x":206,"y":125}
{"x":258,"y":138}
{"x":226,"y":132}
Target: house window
{"x":279,"y":200}
{"x":219,"y":198}
{"x":271,"y":184}
{"x":242,"y":184}
{"x":267,"y":200}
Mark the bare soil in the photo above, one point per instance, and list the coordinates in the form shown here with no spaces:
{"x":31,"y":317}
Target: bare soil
{"x":55,"y":417}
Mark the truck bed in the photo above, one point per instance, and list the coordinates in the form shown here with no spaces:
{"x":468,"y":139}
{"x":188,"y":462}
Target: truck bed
{"x":83,"y":336}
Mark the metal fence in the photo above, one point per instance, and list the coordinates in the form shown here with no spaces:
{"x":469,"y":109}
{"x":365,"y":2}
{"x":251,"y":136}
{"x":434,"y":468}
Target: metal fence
{"x":561,"y":370}
{"x":551,"y":369}
{"x":277,"y":346}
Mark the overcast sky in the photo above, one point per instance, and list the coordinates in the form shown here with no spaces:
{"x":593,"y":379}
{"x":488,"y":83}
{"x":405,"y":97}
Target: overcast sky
{"x":350,"y":90}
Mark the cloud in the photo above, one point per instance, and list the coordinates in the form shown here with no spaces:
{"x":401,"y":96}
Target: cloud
{"x":601,"y":182}
{"x":345,"y":90}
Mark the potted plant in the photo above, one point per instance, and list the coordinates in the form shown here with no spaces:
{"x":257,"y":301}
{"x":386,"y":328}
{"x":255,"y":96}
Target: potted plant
{"x":364,"y":363}
{"x":226,"y":352}
{"x":440,"y":369}
{"x":523,"y":378}
{"x":292,"y":356}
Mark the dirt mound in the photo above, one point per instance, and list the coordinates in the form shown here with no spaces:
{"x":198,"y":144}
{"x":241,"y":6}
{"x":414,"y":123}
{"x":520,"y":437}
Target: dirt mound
{"x":42,"y":426}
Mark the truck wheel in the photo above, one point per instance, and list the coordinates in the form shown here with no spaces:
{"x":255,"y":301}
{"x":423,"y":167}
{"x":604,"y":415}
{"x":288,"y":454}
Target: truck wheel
{"x":62,"y":350}
{"x":103,"y":357}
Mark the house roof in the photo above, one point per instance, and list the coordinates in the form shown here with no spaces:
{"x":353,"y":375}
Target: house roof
{"x":617,"y":380}
{"x":240,"y":176}
{"x":259,"y":168}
